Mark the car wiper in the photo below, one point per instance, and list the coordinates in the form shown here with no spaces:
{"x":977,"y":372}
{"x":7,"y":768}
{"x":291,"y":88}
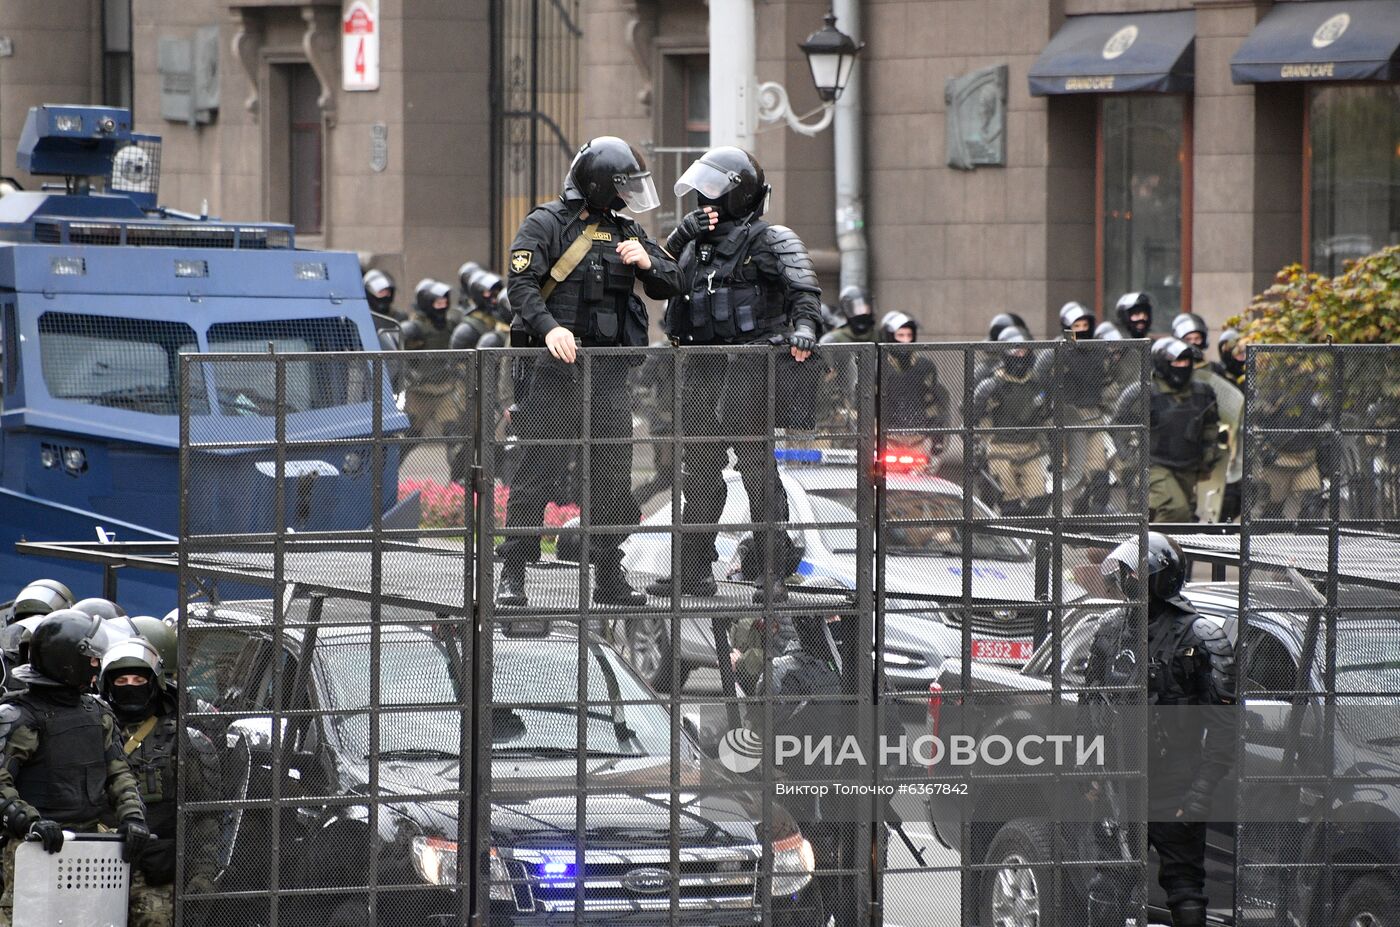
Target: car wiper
{"x":417,"y":753}
{"x":552,"y":753}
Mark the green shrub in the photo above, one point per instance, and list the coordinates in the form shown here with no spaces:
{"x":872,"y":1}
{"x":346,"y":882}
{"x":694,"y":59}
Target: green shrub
{"x":1362,"y":306}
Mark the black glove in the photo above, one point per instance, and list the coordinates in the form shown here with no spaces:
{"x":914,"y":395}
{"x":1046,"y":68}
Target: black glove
{"x":49,"y":833}
{"x":135,"y":836}
{"x":803,"y":337}
{"x":694,"y":224}
{"x":1197,"y":804}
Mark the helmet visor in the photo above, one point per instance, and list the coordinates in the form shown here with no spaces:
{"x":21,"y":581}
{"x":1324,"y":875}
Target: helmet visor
{"x":1120,"y":571}
{"x":710,"y":182}
{"x":638,"y":191}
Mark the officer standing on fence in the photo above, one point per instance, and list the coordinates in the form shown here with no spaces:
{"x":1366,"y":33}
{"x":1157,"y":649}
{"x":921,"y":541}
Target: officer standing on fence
{"x":1189,"y":662}
{"x":573,"y":267}
{"x":1183,"y":431}
{"x":745,"y":282}
{"x":134,"y":684}
{"x":61,"y":760}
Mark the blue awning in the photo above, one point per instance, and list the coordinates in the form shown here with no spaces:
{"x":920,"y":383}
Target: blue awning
{"x":1119,"y":53}
{"x":1354,"y":40}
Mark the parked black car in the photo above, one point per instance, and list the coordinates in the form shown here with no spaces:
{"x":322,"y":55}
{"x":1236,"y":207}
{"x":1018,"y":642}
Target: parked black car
{"x":327,"y":855}
{"x":1365,"y":891}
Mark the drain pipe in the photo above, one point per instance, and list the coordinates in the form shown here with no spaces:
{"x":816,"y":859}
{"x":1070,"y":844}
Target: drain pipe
{"x":733,"y":63}
{"x":850,"y":162}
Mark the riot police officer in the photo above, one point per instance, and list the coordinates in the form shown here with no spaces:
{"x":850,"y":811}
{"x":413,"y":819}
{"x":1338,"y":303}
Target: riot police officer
{"x":482,"y":298}
{"x":746,"y":282}
{"x":1224,"y":482}
{"x":911,"y":396}
{"x":857,"y":310}
{"x":379,"y":291}
{"x":1183,"y":430}
{"x":573,"y":268}
{"x":1012,"y":396}
{"x":98,"y":607}
{"x":1232,"y":356}
{"x":1134,"y":314}
{"x":1083,"y":381}
{"x":1002,"y":321}
{"x":434,"y":399}
{"x":1189,"y":662}
{"x":134,"y":683}
{"x":39,"y":598}
{"x":61,"y":760}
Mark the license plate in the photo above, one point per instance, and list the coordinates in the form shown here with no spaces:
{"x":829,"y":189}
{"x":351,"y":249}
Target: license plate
{"x":1010,"y":651}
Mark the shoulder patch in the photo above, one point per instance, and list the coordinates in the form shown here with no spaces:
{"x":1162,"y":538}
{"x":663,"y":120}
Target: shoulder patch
{"x":521,"y":259}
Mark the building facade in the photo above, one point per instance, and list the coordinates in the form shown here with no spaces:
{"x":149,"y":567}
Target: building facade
{"x":1017,"y":154}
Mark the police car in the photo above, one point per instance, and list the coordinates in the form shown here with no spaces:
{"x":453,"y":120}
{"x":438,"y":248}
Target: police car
{"x":923,"y":566}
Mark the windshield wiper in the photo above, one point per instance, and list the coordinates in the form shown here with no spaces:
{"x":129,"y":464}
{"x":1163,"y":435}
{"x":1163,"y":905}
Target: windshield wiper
{"x":417,"y":753}
{"x":551,"y":753}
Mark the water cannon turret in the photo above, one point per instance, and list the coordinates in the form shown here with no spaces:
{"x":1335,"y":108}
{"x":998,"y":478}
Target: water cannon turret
{"x":79,"y":143}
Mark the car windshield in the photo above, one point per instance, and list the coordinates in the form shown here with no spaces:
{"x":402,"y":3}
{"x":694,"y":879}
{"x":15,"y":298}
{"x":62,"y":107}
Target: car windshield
{"x":131,"y":364}
{"x":1368,"y":660}
{"x":535,"y":693}
{"x":250,"y":389}
{"x":899,"y":536}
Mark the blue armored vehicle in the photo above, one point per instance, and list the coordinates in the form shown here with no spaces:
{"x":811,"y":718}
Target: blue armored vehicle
{"x":101,"y":291}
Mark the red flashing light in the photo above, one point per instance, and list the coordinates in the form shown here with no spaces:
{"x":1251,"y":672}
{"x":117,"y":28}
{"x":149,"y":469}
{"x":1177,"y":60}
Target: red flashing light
{"x":900,"y":461}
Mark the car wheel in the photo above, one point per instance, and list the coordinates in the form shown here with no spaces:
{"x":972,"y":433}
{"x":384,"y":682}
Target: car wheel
{"x":1021,"y":893}
{"x":1371,"y":901}
{"x":646,"y":643}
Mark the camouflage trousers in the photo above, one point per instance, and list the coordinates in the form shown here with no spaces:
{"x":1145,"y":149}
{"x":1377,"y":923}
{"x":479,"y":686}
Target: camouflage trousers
{"x":150,"y":905}
{"x":1171,"y":494}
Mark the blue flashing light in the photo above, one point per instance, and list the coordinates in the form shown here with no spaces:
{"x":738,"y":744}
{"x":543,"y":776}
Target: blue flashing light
{"x":556,"y":870}
{"x":797,"y":455}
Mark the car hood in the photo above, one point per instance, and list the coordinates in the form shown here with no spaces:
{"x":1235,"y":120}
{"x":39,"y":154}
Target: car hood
{"x":998,"y":580}
{"x":534,"y":802}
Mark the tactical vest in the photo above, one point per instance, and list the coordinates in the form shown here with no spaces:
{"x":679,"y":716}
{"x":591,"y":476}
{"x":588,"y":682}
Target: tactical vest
{"x":724,"y":300}
{"x":1175,"y":426}
{"x":153,"y":765}
{"x":66,"y":778}
{"x":432,"y":337}
{"x":1017,"y":404}
{"x":592,"y":302}
{"x":1082,"y":377}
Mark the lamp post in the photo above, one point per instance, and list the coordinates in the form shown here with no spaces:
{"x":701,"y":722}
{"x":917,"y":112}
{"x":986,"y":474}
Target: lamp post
{"x":831,"y":55}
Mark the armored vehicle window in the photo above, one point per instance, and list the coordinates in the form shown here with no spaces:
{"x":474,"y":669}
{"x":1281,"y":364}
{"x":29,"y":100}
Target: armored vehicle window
{"x":251,"y":389}
{"x":117,"y":363}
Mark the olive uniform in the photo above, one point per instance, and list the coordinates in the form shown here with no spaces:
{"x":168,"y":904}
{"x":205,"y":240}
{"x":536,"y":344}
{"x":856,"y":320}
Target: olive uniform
{"x":155,"y":758}
{"x":61,"y":759}
{"x":1183,"y":430}
{"x":1012,"y":398}
{"x":435,"y":399}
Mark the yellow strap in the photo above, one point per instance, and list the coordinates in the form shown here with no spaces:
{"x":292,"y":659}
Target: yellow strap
{"x":569,"y":260}
{"x":141,"y":733}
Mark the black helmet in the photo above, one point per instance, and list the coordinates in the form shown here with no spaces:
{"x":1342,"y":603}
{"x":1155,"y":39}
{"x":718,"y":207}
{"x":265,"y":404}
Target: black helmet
{"x":41,"y":597}
{"x":1072,"y":312}
{"x":1128,"y":304}
{"x":1001,"y":321}
{"x":608,"y":173}
{"x":1229,"y":340}
{"x":376,"y":282}
{"x":1189,"y":323}
{"x":857,"y":308}
{"x":729,"y":179}
{"x":484,"y":290}
{"x":64,"y":645}
{"x":428,"y":292}
{"x":1107,"y":331}
{"x":893,"y":322}
{"x":1166,"y":569}
{"x":1165,"y":353}
{"x":464,"y":277}
{"x":105,"y":609}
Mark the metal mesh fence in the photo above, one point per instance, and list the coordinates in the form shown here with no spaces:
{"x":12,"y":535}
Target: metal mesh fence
{"x":649,"y":638}
{"x":1318,"y":634}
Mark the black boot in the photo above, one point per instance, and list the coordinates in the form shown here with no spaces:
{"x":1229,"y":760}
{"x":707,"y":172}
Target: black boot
{"x":510,"y":591}
{"x":610,"y":586}
{"x":1189,"y":914}
{"x":702,"y":585}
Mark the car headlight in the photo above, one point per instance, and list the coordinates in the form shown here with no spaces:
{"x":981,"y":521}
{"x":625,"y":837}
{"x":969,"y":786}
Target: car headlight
{"x":74,"y":460}
{"x":436,"y":862}
{"x":793,"y":865}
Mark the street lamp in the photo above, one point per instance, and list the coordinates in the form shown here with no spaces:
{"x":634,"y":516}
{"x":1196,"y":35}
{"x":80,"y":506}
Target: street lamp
{"x":831,"y":54}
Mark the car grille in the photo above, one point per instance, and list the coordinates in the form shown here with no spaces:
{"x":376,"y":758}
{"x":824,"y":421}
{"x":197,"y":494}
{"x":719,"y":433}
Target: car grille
{"x":710,"y":880}
{"x":1012,"y":623}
